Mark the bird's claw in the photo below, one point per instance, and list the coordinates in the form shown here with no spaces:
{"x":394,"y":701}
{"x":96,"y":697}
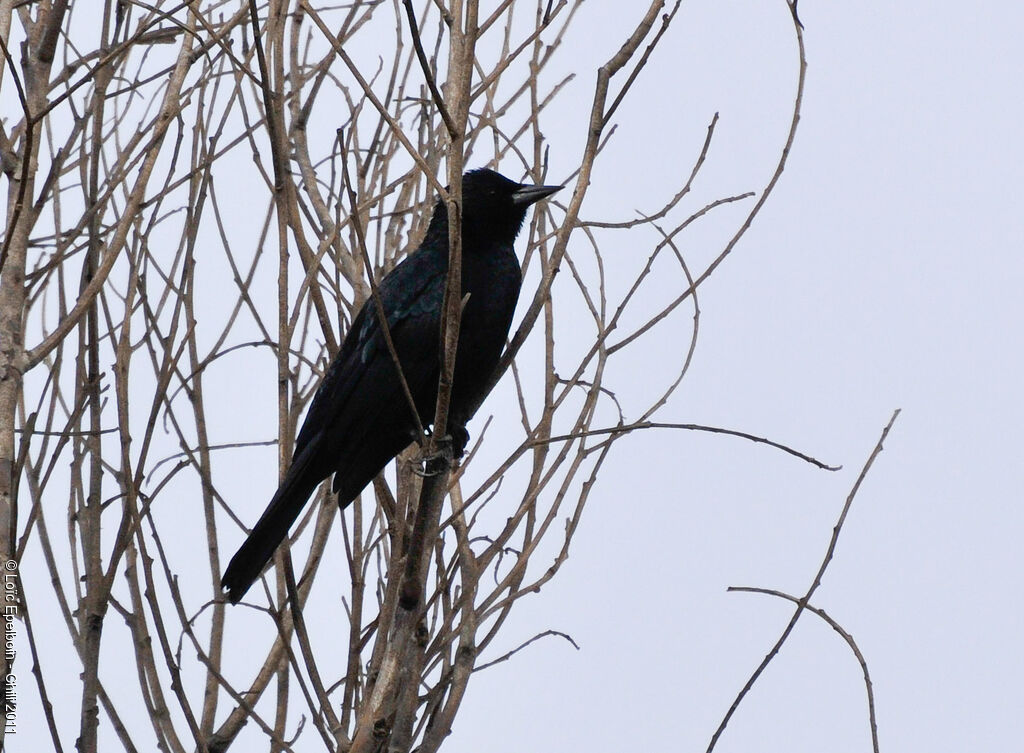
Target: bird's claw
{"x":428,"y":459}
{"x":456,"y":441}
{"x":457,"y":438}
{"x":423,"y":472}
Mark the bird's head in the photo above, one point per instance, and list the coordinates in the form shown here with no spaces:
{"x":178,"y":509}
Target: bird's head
{"x":493,"y":206}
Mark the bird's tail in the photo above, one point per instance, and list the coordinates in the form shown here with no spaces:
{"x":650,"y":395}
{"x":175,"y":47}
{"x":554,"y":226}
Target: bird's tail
{"x":270,"y":530}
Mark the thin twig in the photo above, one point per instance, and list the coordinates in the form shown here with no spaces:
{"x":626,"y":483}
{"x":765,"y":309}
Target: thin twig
{"x":509,"y":654}
{"x":428,"y":74}
{"x":382,"y":318}
{"x":869,"y":688}
{"x":802,"y":603}
{"x":689,"y":427}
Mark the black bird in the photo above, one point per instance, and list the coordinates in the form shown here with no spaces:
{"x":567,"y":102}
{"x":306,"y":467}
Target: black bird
{"x":359,"y":418}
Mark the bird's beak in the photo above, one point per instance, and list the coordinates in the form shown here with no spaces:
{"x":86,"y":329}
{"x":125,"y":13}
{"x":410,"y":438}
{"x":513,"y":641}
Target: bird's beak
{"x":527,"y":195}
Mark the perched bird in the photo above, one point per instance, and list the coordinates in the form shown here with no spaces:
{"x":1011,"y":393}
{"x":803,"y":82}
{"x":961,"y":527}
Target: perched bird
{"x":360,"y":418}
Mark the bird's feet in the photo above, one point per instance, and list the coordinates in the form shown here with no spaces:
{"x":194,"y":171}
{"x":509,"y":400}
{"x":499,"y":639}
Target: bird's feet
{"x":456,"y":440}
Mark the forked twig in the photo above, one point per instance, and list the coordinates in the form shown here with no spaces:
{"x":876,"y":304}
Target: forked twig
{"x":803,"y":601}
{"x":868,"y":686}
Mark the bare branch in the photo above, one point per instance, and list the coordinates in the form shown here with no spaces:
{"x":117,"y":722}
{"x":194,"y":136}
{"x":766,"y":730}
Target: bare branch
{"x":845,"y":636}
{"x":805,"y":599}
{"x":626,"y":428}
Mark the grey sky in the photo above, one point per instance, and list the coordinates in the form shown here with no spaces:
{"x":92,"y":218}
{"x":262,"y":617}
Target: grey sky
{"x":884,"y":273}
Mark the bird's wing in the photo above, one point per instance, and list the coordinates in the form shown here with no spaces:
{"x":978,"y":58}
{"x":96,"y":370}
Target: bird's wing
{"x":362,"y":379}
